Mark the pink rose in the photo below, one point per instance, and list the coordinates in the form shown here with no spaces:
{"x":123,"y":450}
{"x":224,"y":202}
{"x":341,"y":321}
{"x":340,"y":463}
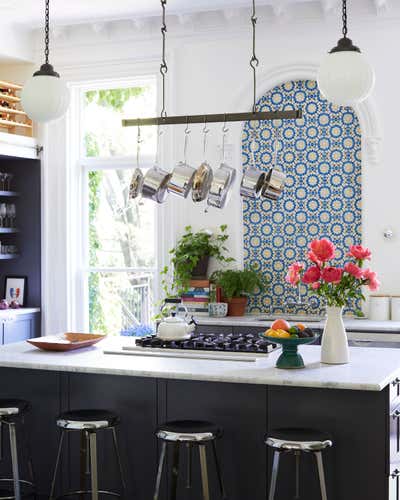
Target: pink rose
{"x":293,"y":275}
{"x":359,"y":252}
{"x":316,"y":285}
{"x":332,"y":274}
{"x":312,"y":275}
{"x":372,"y":278}
{"x":314,"y":258}
{"x":323,"y":250}
{"x":354,"y":270}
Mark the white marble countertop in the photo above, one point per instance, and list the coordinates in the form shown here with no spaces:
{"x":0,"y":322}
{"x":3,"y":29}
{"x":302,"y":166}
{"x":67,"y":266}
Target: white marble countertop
{"x":370,"y":369}
{"x":256,"y":320}
{"x":10,"y":313}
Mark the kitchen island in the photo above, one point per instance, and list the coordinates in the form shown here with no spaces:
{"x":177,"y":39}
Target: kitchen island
{"x":356,"y":403}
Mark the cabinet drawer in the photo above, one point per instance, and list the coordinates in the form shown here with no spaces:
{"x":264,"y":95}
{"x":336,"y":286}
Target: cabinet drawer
{"x":394,"y":484}
{"x":394,"y":393}
{"x":394,"y":438}
{"x":18,"y":330}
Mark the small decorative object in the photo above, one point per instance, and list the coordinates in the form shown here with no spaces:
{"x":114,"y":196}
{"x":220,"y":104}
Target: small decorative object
{"x":141,"y":330}
{"x":218,"y":309}
{"x":3,"y":304}
{"x":379,"y":308}
{"x":336,"y":285}
{"x":15,"y":289}
{"x":14,"y":304}
{"x":237,"y":285}
{"x":345,"y":77}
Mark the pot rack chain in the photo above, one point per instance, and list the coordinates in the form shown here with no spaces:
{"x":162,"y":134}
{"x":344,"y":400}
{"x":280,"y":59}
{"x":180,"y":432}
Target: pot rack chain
{"x":163,"y":66}
{"x":254,"y":61}
{"x":254,"y":115}
{"x":344,"y":18}
{"x":47,"y":32}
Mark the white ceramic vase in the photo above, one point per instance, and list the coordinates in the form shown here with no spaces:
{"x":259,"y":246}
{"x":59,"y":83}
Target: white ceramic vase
{"x":334,"y":349}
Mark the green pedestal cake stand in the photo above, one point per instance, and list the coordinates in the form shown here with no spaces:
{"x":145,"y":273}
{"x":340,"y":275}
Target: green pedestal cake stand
{"x":290,"y":358}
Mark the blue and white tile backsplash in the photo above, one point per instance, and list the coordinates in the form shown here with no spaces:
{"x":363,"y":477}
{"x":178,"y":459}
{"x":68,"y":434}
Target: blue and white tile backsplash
{"x":321,"y":155}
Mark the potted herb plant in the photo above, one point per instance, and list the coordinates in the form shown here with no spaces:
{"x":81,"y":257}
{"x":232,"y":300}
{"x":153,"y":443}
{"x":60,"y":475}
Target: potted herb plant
{"x":190,"y":256}
{"x":237,"y":285}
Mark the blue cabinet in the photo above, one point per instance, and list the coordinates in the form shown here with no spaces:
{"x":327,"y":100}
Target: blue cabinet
{"x":22,"y":327}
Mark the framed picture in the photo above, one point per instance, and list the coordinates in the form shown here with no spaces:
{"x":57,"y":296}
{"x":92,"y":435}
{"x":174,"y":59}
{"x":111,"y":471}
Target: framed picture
{"x":15,"y":289}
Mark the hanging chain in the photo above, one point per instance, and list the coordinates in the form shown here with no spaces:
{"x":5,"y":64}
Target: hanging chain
{"x":163,"y":67}
{"x":276,"y":146}
{"x":225,"y":131}
{"x":254,"y":62}
{"x":206,"y":130}
{"x":139,"y":142}
{"x":47,"y":32}
{"x":344,"y":18}
{"x":187,"y":132}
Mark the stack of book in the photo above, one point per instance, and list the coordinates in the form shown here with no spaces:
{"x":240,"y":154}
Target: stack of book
{"x":196,"y":299}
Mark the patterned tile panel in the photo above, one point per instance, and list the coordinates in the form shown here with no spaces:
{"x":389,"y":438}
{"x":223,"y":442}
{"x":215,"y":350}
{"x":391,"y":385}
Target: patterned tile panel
{"x":321,"y":155}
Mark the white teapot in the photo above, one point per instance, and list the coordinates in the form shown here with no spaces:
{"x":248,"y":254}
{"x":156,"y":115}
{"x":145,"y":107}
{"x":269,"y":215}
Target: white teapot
{"x":175,"y":328}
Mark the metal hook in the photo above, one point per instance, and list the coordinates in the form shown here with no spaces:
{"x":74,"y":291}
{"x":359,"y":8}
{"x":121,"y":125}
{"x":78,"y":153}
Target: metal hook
{"x":187,"y":132}
{"x":225,"y":130}
{"x":139,"y":141}
{"x":206,"y":130}
{"x":187,"y":129}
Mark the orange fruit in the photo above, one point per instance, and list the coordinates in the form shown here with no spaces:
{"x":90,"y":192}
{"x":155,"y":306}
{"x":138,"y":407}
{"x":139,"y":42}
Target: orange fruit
{"x":300,"y":326}
{"x":283,"y":334}
{"x":280,"y":324}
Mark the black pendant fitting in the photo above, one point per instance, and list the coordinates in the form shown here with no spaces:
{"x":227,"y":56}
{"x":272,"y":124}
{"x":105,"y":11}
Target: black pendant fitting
{"x":46,"y":70}
{"x":345,"y":45}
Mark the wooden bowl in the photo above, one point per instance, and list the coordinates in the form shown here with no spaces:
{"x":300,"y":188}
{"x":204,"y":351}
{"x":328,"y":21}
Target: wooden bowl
{"x":66,"y":341}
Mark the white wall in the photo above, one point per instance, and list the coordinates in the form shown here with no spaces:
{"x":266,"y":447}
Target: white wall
{"x":209,"y":73}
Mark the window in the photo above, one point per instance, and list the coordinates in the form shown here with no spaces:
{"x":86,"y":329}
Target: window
{"x":118,"y":237}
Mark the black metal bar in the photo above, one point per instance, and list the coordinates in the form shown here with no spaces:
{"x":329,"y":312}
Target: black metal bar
{"x":217,"y":118}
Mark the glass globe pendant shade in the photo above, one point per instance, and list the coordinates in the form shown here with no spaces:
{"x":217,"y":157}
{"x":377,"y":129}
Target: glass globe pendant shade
{"x":345,"y":77}
{"x":45,"y":96}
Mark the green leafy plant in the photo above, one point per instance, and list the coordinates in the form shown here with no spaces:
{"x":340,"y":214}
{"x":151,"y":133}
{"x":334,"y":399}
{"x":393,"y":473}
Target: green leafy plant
{"x":239,"y":283}
{"x":187,"y":253}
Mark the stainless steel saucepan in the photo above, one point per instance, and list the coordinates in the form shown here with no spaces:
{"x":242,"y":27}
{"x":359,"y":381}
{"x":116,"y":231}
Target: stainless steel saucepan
{"x":276,"y":178}
{"x":182,"y":177}
{"x":203,"y":176}
{"x":253,"y":179}
{"x":224,"y":177}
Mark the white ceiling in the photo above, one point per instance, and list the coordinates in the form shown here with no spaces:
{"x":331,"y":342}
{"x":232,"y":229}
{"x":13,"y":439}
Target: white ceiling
{"x":30,"y":12}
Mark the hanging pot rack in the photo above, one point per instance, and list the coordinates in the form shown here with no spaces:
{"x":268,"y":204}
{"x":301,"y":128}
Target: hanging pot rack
{"x":253,"y":115}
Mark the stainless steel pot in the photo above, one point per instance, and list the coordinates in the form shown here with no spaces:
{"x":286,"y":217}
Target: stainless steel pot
{"x":252,"y":182}
{"x":155,"y":184}
{"x":136,"y":184}
{"x":224,"y":177}
{"x":202,"y":182}
{"x":181,"y":179}
{"x":274,"y":184}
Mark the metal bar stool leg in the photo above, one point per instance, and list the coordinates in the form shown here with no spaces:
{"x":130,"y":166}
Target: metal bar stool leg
{"x":160,"y":469}
{"x":175,"y":472}
{"x":28,"y":448}
{"x":275,"y":468}
{"x":204,"y":473}
{"x":53,"y":482}
{"x":1,"y":440}
{"x":321,"y":474}
{"x":219,"y":472}
{"x":93,"y":465}
{"x":189,"y":465}
{"x":297,"y":458}
{"x":119,"y":461}
{"x":14,"y":461}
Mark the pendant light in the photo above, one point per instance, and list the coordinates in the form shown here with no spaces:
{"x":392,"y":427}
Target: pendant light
{"x":45,"y":96}
{"x":345,"y":77}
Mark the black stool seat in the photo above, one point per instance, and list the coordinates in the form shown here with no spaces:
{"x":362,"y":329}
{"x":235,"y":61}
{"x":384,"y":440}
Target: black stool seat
{"x":292,"y":438}
{"x":10,"y":407}
{"x":188,"y":430}
{"x":87,"y":419}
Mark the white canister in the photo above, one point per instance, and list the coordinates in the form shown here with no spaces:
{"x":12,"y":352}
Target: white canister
{"x":379,"y":308}
{"x":395,"y":308}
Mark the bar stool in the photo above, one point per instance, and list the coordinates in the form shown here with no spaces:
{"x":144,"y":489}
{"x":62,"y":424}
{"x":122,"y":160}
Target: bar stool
{"x":12,"y":412}
{"x":297,"y":441}
{"x":88,"y":423}
{"x":190,"y":433}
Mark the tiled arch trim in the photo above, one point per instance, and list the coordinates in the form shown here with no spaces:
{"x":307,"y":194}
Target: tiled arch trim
{"x":321,"y":155}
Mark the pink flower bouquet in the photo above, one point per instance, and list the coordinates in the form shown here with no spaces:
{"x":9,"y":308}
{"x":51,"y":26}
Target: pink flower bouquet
{"x":335,"y":284}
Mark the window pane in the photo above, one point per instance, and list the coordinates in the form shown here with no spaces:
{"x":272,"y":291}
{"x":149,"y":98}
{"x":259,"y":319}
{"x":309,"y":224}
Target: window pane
{"x":119,"y":301}
{"x":121,"y":231}
{"x":103,"y":110}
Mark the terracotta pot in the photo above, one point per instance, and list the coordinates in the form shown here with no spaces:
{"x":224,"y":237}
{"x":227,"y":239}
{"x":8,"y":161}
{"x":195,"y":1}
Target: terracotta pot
{"x":237,"y":306}
{"x":200,"y":271}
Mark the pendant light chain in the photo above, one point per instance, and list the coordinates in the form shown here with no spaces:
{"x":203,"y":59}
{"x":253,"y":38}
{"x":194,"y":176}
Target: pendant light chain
{"x":47,"y":32}
{"x":344,"y":18}
{"x":163,"y":67}
{"x":254,"y":62}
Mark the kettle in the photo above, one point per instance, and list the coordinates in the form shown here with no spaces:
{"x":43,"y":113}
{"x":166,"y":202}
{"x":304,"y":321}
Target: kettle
{"x":175,"y":328}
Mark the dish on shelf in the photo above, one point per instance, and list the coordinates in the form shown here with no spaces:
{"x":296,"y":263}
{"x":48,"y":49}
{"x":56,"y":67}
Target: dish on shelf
{"x":66,"y":341}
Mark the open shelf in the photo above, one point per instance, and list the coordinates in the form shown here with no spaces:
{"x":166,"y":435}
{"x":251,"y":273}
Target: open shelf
{"x":9,"y":98}
{"x":8,"y":230}
{"x":9,"y":193}
{"x":12,"y":111}
{"x":8,"y":256}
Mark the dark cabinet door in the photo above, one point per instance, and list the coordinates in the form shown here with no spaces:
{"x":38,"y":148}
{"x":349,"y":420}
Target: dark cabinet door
{"x":22,"y":328}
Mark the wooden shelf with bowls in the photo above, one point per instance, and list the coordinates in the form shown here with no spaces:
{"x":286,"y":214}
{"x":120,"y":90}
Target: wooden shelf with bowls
{"x":12,"y":118}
